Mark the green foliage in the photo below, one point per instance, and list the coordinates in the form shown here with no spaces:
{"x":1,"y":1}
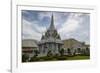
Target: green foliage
{"x":61,"y":51}
{"x":49,"y":53}
{"x":61,"y":58}
{"x":25,"y":57}
{"x":36,"y":52}
{"x":34,"y":59}
{"x":48,"y":58}
{"x":56,"y":58}
{"x":78,"y":57}
{"x":85,"y":54}
{"x":87,"y":51}
{"x":79,"y":50}
{"x":69,"y":51}
{"x":56,"y":55}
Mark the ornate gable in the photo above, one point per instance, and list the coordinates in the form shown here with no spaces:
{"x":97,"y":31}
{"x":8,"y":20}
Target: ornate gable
{"x":51,"y":32}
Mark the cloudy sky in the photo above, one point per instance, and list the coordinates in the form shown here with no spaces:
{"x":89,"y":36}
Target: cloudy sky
{"x":68,"y":24}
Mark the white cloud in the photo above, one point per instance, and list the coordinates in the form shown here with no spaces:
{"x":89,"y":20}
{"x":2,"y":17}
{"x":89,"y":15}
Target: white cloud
{"x":58,"y":17}
{"x":28,"y":29}
{"x":67,"y":24}
{"x":44,"y":14}
{"x":71,"y":25}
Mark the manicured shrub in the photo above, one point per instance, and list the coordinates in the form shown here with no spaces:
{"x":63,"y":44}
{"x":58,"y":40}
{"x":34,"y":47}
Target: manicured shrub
{"x":61,"y":52}
{"x":25,"y":58}
{"x":61,"y":58}
{"x":69,"y":51}
{"x":36,"y":52}
{"x":34,"y":59}
{"x":49,"y":53}
{"x":87,"y":51}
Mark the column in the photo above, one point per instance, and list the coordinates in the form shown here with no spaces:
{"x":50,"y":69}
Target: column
{"x":57,"y":48}
{"x":42,"y":48}
{"x":53,"y":47}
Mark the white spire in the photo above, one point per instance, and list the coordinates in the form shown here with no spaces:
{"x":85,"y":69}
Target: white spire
{"x":52,"y":23}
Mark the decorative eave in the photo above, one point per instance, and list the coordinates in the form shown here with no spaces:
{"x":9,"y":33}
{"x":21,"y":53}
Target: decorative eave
{"x":51,"y":34}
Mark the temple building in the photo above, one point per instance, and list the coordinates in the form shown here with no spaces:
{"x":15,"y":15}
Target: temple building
{"x":50,"y":41}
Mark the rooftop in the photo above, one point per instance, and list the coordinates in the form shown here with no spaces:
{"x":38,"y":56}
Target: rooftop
{"x":29,"y":43}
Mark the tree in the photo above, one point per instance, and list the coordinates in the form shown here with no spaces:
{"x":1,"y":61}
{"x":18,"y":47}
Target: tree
{"x":49,"y":53}
{"x":36,"y":52}
{"x":25,"y":57}
{"x":74,"y":53}
{"x":80,"y":51}
{"x":87,"y":52}
{"x":83,"y":52}
{"x":61,"y":52}
{"x":69,"y":51}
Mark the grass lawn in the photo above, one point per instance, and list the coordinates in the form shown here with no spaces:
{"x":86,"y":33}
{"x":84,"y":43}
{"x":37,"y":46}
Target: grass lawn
{"x":78,"y":57}
{"x":53,"y":58}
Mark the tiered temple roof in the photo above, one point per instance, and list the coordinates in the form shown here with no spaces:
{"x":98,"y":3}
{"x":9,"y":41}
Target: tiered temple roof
{"x":51,"y":35}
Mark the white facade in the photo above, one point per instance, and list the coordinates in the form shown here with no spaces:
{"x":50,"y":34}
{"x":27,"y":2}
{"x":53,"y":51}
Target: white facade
{"x":51,"y":41}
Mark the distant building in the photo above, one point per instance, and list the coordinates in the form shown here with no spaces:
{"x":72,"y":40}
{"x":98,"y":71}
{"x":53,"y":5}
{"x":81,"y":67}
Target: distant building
{"x":75,"y":47}
{"x":28,"y":46}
